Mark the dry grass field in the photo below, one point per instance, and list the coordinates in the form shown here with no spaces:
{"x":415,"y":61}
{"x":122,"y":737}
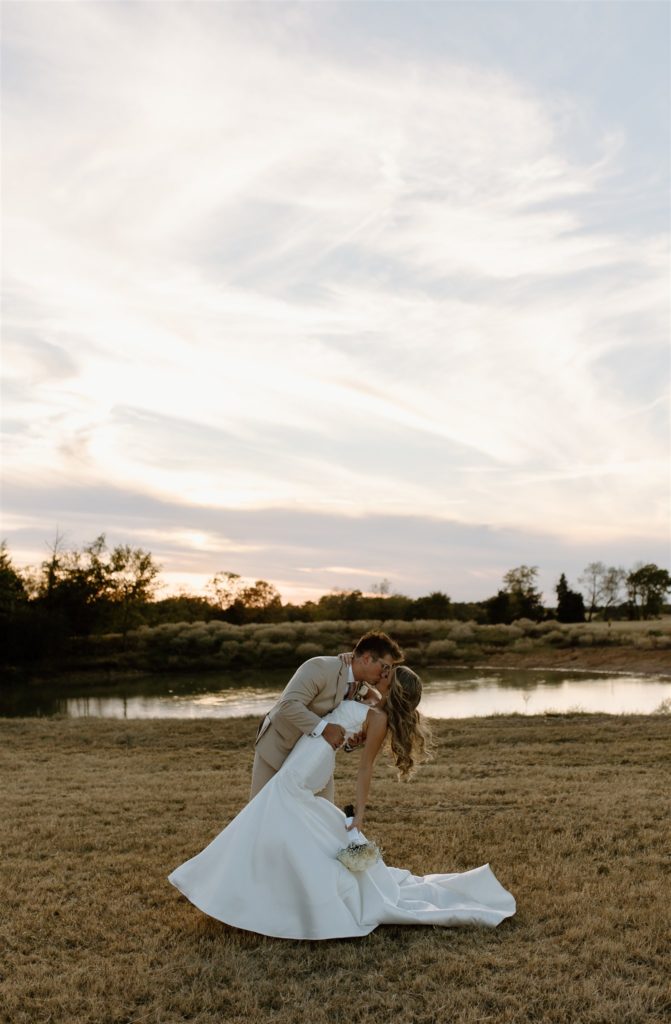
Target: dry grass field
{"x":572,"y":813}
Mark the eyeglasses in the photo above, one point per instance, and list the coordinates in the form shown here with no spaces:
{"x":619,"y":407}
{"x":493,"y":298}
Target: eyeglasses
{"x":386,"y":667}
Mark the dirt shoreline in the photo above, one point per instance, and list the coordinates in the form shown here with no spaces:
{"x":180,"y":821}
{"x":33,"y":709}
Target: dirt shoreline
{"x":611,"y":659}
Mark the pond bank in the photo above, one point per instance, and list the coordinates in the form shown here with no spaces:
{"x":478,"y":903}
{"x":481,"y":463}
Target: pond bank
{"x":598,"y":659}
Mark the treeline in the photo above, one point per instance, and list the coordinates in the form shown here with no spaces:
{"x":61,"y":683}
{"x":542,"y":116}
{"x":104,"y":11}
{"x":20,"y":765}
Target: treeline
{"x":76,"y":595}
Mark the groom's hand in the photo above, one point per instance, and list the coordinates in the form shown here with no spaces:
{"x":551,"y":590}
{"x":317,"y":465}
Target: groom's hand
{"x":334,"y":735}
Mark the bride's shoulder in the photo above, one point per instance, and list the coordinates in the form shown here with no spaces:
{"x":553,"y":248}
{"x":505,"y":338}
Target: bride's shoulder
{"x":375,"y":728}
{"x":376,"y":718}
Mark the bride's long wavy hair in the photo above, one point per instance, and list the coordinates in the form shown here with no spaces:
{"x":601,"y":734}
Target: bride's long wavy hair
{"x":409,"y":735}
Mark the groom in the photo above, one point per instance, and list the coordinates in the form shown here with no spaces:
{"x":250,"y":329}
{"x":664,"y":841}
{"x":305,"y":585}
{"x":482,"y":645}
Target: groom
{"x":316,"y":688}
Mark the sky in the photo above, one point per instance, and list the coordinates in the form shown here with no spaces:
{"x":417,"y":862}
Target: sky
{"x":332,"y":293}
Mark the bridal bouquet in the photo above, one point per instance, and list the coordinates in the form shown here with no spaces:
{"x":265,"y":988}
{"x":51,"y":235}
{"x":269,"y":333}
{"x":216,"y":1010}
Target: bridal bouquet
{"x":360,"y":854}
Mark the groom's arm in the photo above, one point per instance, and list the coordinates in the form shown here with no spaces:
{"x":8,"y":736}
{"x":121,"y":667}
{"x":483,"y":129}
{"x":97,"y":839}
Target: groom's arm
{"x":300,"y":691}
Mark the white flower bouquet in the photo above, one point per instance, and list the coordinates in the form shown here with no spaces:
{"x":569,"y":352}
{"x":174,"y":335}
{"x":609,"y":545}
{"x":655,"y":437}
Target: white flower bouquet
{"x":359,"y":854}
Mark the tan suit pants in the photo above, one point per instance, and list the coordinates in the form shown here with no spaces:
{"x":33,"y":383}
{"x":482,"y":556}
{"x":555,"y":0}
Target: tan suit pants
{"x":263,"y":772}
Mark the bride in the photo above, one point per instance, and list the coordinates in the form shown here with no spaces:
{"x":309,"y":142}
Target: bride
{"x":275,"y":869}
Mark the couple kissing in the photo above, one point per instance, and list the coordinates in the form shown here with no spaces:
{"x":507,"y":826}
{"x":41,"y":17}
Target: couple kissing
{"x":280,"y":867}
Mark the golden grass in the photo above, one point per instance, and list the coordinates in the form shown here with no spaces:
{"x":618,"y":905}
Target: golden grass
{"x":571,"y":811}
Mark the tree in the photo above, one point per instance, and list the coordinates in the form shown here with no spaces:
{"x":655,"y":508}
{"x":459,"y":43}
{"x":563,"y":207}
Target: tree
{"x":521,"y":580}
{"x":224,"y":588}
{"x":601,"y":586}
{"x":525,"y":600}
{"x":646,"y":588}
{"x":260,"y":602}
{"x":12,"y":587}
{"x":611,"y":585}
{"x":381,"y":589}
{"x":591,"y":582}
{"x":129,"y":576}
{"x":261,"y":595}
{"x":345,"y":605}
{"x":180,"y":607}
{"x":570,"y":605}
{"x":71,"y":586}
{"x":13,"y":607}
{"x":499,"y":608}
{"x":518,"y":599}
{"x":80,"y":588}
{"x":436,"y":605}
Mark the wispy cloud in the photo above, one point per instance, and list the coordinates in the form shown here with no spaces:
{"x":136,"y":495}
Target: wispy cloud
{"x":248,"y":270}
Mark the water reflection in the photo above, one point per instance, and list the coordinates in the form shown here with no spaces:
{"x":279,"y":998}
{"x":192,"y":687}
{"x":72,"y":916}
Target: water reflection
{"x":231,"y":704}
{"x":613,"y":695}
{"x":453,"y":693}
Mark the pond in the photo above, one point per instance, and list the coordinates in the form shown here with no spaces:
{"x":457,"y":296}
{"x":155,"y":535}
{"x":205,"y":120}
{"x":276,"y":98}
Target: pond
{"x":448,"y":693}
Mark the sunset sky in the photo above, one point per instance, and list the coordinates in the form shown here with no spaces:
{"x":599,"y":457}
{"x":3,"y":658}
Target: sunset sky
{"x":327,"y":293}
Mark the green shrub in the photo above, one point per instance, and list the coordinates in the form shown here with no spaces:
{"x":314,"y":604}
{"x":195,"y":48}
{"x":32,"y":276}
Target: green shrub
{"x":543,"y":628}
{"x":523,"y":643}
{"x":268,"y":654}
{"x":283,"y":632}
{"x":427,"y":627}
{"x":360,"y":626}
{"x":499,"y":636}
{"x":222,"y":629}
{"x":308,"y":650}
{"x":325,"y":628}
{"x":414,"y":656}
{"x":228,"y":653}
{"x":438,"y":650}
{"x":463,"y":632}
{"x":527,"y":626}
{"x":399,"y":629}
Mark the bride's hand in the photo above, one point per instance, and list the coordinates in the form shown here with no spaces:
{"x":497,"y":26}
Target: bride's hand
{"x":346,"y":658}
{"x":357,"y":739}
{"x":356,"y":822}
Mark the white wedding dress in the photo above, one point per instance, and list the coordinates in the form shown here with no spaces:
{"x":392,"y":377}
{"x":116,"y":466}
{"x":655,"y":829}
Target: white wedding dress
{"x":273,"y":869}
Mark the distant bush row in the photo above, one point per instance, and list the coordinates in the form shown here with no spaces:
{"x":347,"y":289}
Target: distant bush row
{"x":222,"y":645}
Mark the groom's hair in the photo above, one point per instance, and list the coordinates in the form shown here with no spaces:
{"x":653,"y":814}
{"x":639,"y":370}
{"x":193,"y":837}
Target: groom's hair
{"x":379,"y":645}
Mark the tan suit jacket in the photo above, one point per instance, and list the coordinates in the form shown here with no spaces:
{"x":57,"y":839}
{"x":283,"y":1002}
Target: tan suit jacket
{"x":316,"y":688}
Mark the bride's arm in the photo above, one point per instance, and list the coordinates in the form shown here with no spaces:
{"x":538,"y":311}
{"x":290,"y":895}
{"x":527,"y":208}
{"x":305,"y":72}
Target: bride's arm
{"x":376,"y":730}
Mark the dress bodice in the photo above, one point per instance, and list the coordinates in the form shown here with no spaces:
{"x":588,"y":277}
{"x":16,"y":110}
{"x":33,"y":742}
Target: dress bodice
{"x":351,"y":714}
{"x":312,"y":760}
